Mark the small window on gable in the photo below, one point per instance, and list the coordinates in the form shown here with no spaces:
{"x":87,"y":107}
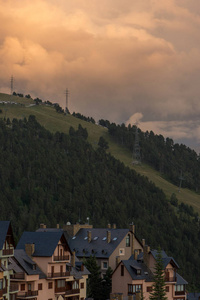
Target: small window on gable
{"x":95,"y":238}
{"x":138,"y":271}
{"x":128,"y":240}
{"x":85,"y":238}
{"x":104,"y":238}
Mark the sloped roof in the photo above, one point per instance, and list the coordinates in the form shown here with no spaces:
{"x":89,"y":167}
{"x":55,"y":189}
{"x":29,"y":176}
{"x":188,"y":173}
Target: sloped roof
{"x":45,"y":242}
{"x":165,"y":258}
{"x":193,"y":296}
{"x":133,"y":265}
{"x":4,"y":225}
{"x":180,"y":279}
{"x":98,"y":245}
{"x":22,"y":262}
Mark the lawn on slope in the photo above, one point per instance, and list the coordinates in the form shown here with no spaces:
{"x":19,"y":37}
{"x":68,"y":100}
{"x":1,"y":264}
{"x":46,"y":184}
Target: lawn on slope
{"x":53,"y":121}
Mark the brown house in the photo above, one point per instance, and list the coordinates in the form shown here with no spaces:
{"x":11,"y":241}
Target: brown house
{"x":108,"y":245}
{"x":63,"y":277}
{"x":136,"y":276}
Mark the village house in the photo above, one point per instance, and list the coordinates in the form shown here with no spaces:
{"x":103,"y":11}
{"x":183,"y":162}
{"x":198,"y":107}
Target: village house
{"x":8,"y":290}
{"x":136,"y":276}
{"x":108,"y":245}
{"x":64,"y":277}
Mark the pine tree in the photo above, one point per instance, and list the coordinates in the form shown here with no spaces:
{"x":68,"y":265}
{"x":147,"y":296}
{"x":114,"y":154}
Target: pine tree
{"x":159,"y":287}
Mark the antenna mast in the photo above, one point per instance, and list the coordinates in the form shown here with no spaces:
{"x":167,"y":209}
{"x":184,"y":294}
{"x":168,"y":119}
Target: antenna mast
{"x":11,"y":85}
{"x":67,"y":96}
{"x":136,"y":148}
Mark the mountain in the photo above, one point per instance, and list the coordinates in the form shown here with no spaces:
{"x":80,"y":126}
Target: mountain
{"x":53,"y":177}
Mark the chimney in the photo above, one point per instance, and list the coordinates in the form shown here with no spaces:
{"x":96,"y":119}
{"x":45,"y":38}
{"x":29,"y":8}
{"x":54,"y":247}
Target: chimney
{"x":73,"y":259}
{"x":117,"y":260}
{"x":114,"y":226}
{"x":57,"y":226}
{"x":146,"y":255}
{"x":143,"y":242}
{"x":89,"y":235}
{"x":136,"y":254}
{"x":108,"y":236}
{"x":132,"y":228}
{"x":109,"y":226}
{"x":43,"y":226}
{"x":30,"y":249}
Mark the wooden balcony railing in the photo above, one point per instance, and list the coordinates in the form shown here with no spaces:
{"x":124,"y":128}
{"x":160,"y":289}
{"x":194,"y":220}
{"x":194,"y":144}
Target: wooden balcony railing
{"x":58,"y":274}
{"x":61,"y":258}
{"x":60,"y":289}
{"x":4,"y":290}
{"x":1,"y":293}
{"x":170,"y":279}
{"x":28,"y":294}
{"x":18,"y":276}
{"x":180,"y":293}
{"x":14,"y":287}
{"x":7,"y":252}
{"x":72,"y":292}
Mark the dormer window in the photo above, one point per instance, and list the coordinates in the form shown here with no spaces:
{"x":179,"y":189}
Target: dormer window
{"x":138,"y":271}
{"x":128,"y":240}
{"x":34,"y":266}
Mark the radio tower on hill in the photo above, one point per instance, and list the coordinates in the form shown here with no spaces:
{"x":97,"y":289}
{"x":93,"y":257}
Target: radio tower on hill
{"x":136,"y":149}
{"x":67,"y":98}
{"x":11,"y":85}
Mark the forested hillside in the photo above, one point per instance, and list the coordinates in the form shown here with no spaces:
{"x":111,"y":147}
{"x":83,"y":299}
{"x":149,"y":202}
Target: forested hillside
{"x":172,"y":160}
{"x":55,"y":178}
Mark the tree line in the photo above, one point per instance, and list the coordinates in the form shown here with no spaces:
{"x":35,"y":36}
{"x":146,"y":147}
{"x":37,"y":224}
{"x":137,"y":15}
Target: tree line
{"x":55,"y":178}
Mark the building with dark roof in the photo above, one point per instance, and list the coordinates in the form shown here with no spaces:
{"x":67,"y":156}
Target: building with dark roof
{"x":7,"y":289}
{"x":108,"y":245}
{"x":63,"y":277}
{"x":136,"y":275}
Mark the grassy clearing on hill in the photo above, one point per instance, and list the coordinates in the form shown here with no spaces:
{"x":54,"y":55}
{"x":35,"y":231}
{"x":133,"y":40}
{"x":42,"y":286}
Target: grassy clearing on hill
{"x":53,"y":121}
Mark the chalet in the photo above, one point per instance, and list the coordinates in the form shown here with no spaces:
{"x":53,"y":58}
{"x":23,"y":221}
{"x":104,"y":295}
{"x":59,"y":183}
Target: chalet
{"x":7,"y":289}
{"x":136,"y":275}
{"x":108,"y":245}
{"x":64,"y":278}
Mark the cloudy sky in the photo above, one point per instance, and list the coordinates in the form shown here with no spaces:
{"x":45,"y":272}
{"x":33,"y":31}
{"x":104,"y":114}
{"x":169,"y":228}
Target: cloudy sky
{"x":122,"y":60}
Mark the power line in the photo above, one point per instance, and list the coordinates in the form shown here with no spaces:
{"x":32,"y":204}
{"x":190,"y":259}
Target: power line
{"x":67,"y":101}
{"x":11,"y":84}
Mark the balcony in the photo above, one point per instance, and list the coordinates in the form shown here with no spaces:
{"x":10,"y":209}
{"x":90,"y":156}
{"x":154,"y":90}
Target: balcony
{"x":14,"y":287}
{"x":7,"y":252}
{"x":1,"y":293}
{"x":170,"y":279}
{"x":5,"y":290}
{"x":61,"y":258}
{"x":27,"y":295}
{"x":58,"y":274}
{"x":18,"y":276}
{"x":61,"y":289}
{"x":180,"y":293}
{"x":72,"y":292}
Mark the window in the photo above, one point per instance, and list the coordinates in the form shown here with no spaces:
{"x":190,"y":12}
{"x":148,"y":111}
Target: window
{"x":50,"y":285}
{"x":82,"y":285}
{"x":1,"y":284}
{"x":23,"y":287}
{"x":75,"y":285}
{"x":121,"y":251}
{"x":133,"y":288}
{"x":60,"y":283}
{"x":122,"y":270}
{"x":179,"y":288}
{"x":39,"y":286}
{"x":29,"y":287}
{"x":128,"y":240}
{"x":104,"y":265}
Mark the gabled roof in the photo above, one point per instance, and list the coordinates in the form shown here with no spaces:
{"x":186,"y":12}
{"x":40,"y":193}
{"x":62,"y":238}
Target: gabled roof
{"x":98,"y":245}
{"x":45,"y":242}
{"x":4,"y":226}
{"x":133,"y":266}
{"x":22,"y":262}
{"x":180,"y":279}
{"x":165,"y":258}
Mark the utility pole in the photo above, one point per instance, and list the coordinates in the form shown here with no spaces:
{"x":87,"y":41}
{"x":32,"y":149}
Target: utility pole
{"x":181,"y":179}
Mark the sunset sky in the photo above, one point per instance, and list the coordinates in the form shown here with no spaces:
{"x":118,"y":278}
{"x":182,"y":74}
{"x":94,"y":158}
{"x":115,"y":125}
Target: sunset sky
{"x":122,"y":60}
